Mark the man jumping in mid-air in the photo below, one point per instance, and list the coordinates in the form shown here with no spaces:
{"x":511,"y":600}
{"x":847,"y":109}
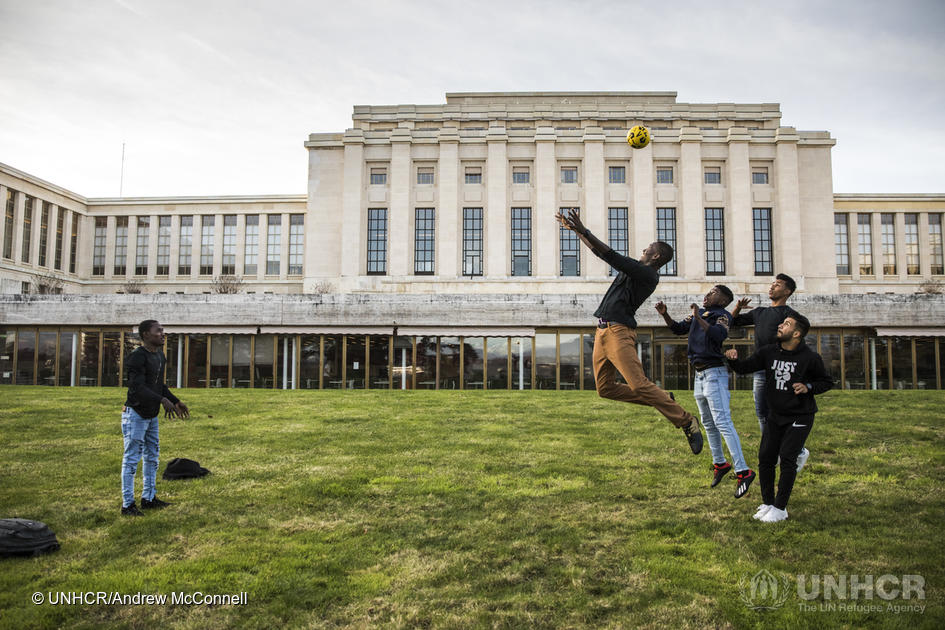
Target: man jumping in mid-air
{"x":615,"y":345}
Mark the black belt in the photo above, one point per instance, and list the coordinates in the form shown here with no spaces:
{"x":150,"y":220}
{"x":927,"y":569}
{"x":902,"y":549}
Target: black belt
{"x":604,"y":323}
{"x":699,"y":367}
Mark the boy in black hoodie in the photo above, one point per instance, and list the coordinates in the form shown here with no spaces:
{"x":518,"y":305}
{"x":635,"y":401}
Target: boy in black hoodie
{"x":793,"y":375}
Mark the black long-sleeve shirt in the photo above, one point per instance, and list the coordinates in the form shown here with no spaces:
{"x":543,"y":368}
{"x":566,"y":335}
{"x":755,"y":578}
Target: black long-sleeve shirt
{"x":766,"y":320}
{"x":628,"y":291}
{"x":146,"y":386}
{"x":705,"y":346}
{"x":782,"y":369}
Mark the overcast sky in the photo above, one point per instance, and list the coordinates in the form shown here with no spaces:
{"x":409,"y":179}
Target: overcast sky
{"x":217,"y":97}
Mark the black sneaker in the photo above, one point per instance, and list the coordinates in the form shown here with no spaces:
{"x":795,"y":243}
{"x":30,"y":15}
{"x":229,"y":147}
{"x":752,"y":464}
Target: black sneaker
{"x":153,"y":504}
{"x":694,"y":435}
{"x":673,"y":398}
{"x":719,"y":471}
{"x":131,"y":510}
{"x":743,"y":479}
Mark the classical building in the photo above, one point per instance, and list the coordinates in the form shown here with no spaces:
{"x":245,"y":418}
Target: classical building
{"x":426,"y":253}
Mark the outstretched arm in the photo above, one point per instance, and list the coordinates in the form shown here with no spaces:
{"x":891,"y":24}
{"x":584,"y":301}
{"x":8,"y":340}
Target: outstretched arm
{"x":753,"y":363}
{"x":573,"y":222}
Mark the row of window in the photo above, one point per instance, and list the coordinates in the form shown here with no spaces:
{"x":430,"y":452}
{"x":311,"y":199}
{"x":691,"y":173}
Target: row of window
{"x":890,"y":258}
{"x":49,"y":217}
{"x":568,"y":242}
{"x":426,"y":175}
{"x":185,"y":240}
{"x":549,"y":360}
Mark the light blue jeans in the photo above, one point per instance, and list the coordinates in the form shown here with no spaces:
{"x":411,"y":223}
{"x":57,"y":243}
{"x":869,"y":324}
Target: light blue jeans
{"x":712,"y":397}
{"x":761,"y":405}
{"x":141,"y":438}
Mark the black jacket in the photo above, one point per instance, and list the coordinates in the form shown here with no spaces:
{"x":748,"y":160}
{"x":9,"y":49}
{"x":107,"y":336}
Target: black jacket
{"x":705,"y":346}
{"x":146,"y":385}
{"x":782,"y":369}
{"x":766,"y":320}
{"x":627,"y":292}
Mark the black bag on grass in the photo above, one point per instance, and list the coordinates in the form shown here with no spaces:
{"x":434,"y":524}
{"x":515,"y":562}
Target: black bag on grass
{"x":23,"y":537}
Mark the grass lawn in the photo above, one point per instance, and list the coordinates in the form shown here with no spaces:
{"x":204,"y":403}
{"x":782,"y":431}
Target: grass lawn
{"x":465,"y":510}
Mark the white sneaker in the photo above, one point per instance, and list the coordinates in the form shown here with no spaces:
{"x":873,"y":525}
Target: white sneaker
{"x":762,"y":510}
{"x":802,"y":459}
{"x":774,"y":515}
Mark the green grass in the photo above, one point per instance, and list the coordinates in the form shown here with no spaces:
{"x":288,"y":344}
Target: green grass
{"x":462,"y":510}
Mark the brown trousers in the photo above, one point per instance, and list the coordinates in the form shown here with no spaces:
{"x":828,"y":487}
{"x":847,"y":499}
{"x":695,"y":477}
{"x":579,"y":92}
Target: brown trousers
{"x":616,"y":347}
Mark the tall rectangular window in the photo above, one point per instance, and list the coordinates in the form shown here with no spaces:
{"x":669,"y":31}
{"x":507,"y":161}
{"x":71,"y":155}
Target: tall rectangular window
{"x":44,"y":232}
{"x":521,"y":241}
{"x":228,"y":267}
{"x":936,"y":255}
{"x":424,"y":237}
{"x":184,"y":261}
{"x":841,"y":240}
{"x":473,"y":174}
{"x":273,"y":244}
{"x":74,"y":247}
{"x":888,"y":223}
{"x":207,"y":227}
{"x":141,"y":246}
{"x":8,"y":224}
{"x":617,"y":175}
{"x":759,"y":175}
{"x":60,"y":236}
{"x":569,"y":175}
{"x":472,"y":241}
{"x":664,"y":174}
{"x":713,"y":175}
{"x":761,"y":225}
{"x":164,"y":246}
{"x":570,"y":246}
{"x":251,"y":249}
{"x":377,"y":242}
{"x":618,"y":233}
{"x":864,"y":244}
{"x":296,"y":243}
{"x":98,"y":245}
{"x":520,"y":175}
{"x":666,"y":232}
{"x":425,"y":175}
{"x":121,"y":246}
{"x":27,"y":229}
{"x":378,"y":176}
{"x":912,"y":244}
{"x":714,"y":242}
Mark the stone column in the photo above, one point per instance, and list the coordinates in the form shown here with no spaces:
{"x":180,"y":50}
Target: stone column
{"x":449,"y":213}
{"x":544,"y":228}
{"x":497,"y":222}
{"x":110,"y":227}
{"x":19,"y":222}
{"x":690,"y":215}
{"x":399,"y":219}
{"x":352,"y":262}
{"x":67,"y":218}
{"x":284,"y":248}
{"x":739,"y":219}
{"x":174,"y":256}
{"x":643,"y":210}
{"x":925,"y":252}
{"x":594,"y":214}
{"x":788,"y":200}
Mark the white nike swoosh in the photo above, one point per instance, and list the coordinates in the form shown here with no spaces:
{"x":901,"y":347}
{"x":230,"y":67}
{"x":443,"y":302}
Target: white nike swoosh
{"x":801,"y":426}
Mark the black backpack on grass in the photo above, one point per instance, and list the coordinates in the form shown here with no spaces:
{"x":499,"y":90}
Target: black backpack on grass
{"x":23,"y":537}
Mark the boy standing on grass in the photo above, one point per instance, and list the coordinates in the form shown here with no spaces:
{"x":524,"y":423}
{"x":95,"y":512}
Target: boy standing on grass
{"x":793,"y":375}
{"x":147,"y":393}
{"x":707,"y":328}
{"x":615,"y":345}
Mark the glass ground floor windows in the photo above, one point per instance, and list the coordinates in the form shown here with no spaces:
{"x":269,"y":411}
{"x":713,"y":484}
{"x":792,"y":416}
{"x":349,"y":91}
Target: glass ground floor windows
{"x":559,"y":359}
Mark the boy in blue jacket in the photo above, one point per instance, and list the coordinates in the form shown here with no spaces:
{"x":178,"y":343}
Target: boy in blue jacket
{"x":707,"y":329}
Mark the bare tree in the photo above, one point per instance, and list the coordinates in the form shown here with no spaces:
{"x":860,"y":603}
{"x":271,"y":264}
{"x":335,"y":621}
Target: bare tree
{"x":132,"y":286}
{"x":227,"y":284}
{"x":47,"y":284}
{"x":320,"y":288}
{"x":934,"y":287}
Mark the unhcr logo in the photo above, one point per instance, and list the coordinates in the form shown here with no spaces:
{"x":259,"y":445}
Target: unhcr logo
{"x":765,"y":591}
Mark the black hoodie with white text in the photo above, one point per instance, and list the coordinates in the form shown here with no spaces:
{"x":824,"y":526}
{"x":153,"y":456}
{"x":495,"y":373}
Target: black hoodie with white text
{"x":782,"y":369}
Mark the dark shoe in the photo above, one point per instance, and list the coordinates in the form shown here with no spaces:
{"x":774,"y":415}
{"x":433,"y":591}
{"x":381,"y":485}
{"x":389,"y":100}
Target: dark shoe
{"x":719,"y":471}
{"x":673,"y":398}
{"x":743,"y":479}
{"x":153,"y":504}
{"x":131,"y":510}
{"x":694,"y":435}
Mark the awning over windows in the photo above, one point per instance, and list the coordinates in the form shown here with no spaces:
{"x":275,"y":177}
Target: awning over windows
{"x":209,"y":330}
{"x":453,"y":331}
{"x":910,"y":332}
{"x":326,"y":330}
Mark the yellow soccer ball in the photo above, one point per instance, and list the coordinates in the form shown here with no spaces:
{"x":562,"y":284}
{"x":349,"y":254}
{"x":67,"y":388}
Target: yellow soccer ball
{"x":638,"y":136}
